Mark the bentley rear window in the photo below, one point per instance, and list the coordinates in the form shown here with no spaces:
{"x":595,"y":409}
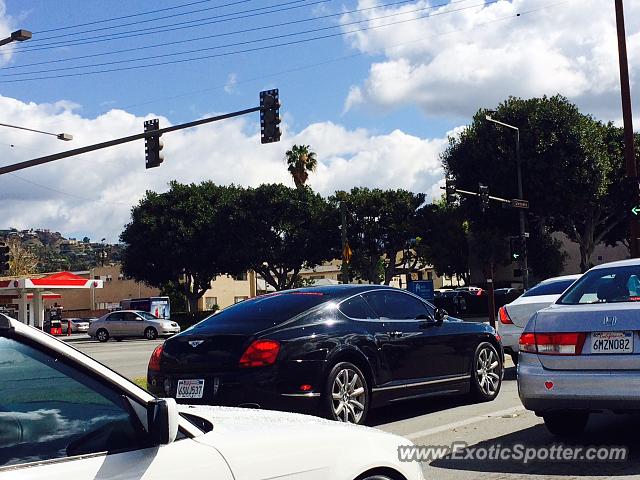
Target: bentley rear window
{"x":272,"y":308}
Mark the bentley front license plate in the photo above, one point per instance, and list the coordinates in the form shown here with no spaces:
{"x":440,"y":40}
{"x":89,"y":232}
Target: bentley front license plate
{"x":190,"y":388}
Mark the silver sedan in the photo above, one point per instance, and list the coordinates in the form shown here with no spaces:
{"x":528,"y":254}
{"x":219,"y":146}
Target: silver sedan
{"x":78,"y":325}
{"x":131,"y":323}
{"x":582,"y":354}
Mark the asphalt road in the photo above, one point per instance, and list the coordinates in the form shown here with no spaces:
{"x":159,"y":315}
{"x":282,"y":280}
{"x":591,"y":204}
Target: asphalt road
{"x":129,"y":358}
{"x":445,"y":420}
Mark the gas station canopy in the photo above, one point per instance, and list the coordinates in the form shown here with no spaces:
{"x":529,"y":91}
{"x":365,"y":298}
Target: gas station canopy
{"x":31,"y":291}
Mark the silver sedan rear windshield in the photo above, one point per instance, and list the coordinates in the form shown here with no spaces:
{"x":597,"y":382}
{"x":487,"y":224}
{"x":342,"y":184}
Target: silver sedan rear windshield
{"x":605,"y":285}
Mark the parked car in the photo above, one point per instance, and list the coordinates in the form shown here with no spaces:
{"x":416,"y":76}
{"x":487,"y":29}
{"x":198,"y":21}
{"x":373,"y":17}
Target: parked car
{"x":582,"y":354}
{"x":66,"y":416}
{"x":514,"y":316}
{"x":337,"y":351}
{"x":474,"y":290}
{"x":454,"y":302}
{"x":78,"y":325}
{"x":131,"y":323}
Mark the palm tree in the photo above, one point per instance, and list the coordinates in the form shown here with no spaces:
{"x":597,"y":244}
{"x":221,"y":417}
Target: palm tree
{"x":301,"y":160}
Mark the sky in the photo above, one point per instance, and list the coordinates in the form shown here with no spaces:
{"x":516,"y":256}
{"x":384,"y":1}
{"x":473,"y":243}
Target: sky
{"x":375,"y":87}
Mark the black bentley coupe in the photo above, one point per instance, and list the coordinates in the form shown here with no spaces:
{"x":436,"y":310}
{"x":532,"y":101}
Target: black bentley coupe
{"x":336,"y":351}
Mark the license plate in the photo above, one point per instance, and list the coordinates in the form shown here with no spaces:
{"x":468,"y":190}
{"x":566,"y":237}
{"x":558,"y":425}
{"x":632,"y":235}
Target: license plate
{"x":190,"y":388}
{"x":612,"y":342}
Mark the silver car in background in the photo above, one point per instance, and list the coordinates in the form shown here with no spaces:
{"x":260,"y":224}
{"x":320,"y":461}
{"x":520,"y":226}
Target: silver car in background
{"x":78,"y":325}
{"x":582,"y":354}
{"x":131,"y":323}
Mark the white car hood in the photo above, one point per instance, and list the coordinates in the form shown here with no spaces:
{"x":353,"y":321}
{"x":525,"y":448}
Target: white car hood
{"x":269,"y":444}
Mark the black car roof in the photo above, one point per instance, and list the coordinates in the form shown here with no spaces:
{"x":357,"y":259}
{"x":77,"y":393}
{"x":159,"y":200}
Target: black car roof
{"x":339,"y":291}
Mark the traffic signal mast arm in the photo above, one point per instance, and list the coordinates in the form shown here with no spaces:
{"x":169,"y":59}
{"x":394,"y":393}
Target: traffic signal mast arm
{"x":475,"y":194}
{"x":119,"y":141}
{"x":271,"y":105}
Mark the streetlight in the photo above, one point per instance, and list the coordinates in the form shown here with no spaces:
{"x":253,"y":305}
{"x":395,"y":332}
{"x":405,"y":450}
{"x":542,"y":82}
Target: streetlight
{"x":17,"y":36}
{"x":525,"y":268}
{"x":60,"y":136}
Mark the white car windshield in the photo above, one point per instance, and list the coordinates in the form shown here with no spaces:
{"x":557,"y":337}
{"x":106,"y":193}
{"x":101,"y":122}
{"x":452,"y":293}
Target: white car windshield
{"x":605,"y":285}
{"x":147,"y":316}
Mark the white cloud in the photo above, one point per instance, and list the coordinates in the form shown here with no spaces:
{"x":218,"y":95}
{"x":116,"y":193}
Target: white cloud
{"x":6,"y":27}
{"x":457,"y":61}
{"x":92,"y":194}
{"x":232,"y":81}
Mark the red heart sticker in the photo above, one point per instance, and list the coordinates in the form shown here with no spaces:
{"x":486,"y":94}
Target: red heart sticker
{"x":548,"y":385}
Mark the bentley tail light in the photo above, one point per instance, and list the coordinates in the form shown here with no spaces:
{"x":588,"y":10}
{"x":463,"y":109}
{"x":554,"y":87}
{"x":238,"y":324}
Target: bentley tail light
{"x":260,"y":353}
{"x":552,"y":343}
{"x":154,"y":361}
{"x":504,"y":316}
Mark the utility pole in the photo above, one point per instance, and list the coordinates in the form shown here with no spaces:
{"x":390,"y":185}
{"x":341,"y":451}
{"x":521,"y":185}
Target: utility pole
{"x":523,"y":239}
{"x":523,"y":236}
{"x":629,"y":153}
{"x":343,"y":229}
{"x":492,"y":296}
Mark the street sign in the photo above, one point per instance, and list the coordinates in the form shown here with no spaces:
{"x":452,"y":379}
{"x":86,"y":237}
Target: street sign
{"x":519,"y":203}
{"x":635,"y":210}
{"x":347,"y":253}
{"x":422,"y":288}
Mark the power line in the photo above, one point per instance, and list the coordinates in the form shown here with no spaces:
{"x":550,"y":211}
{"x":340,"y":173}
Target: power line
{"x":246,"y":42}
{"x":163,"y":28}
{"x":249,"y":50}
{"x":205,"y":37}
{"x":138,"y":22}
{"x":71,"y":195}
{"x":112,"y":19}
{"x":51,"y":189}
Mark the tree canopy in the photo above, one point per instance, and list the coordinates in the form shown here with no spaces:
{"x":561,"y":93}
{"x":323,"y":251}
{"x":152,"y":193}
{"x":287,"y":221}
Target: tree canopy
{"x":180,"y":238}
{"x":382,"y":226}
{"x":572,"y":170}
{"x":281,"y":230}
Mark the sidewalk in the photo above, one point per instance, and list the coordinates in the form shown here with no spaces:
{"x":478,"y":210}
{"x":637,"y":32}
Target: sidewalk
{"x":75,"y":337}
{"x":476,"y":319}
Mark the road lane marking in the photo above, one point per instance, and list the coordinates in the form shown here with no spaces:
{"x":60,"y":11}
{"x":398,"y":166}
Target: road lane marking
{"x":462,"y":423}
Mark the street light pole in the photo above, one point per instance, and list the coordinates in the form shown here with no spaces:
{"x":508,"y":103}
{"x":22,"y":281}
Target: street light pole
{"x":343,"y":222}
{"x":523,"y":239}
{"x":60,"y":136}
{"x":629,"y":154}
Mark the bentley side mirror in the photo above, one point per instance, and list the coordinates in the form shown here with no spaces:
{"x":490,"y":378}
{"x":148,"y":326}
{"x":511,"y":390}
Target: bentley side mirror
{"x":439,"y":314}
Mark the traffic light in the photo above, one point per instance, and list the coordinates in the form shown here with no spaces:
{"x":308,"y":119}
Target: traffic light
{"x":4,"y":258}
{"x":269,"y":116}
{"x":153,"y":145}
{"x":516,"y":247}
{"x":450,"y":188}
{"x":483,"y":192}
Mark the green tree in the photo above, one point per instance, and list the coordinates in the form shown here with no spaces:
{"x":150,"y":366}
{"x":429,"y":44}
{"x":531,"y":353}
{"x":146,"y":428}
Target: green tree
{"x":571,"y":172}
{"x":444,"y":240}
{"x":21,"y":261}
{"x":300,"y":161}
{"x":181,"y":238}
{"x":281,"y":230}
{"x":382,"y":230}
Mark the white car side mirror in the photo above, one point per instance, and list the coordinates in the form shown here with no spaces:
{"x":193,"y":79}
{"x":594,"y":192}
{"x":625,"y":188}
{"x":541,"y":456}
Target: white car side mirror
{"x":163,"y":417}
